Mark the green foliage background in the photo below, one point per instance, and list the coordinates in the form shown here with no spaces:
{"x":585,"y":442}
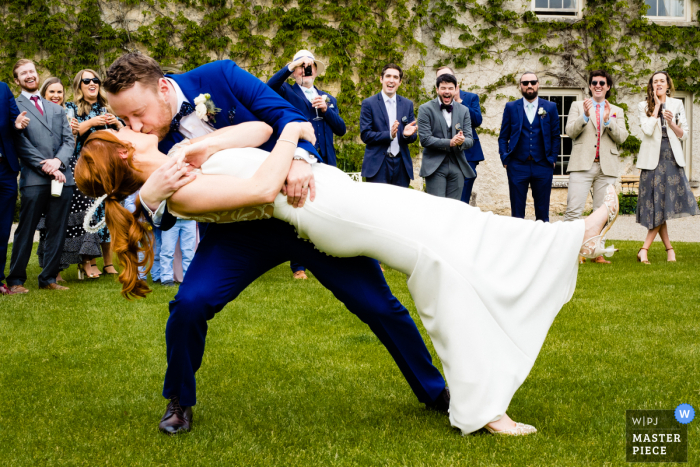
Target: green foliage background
{"x":357,"y":37}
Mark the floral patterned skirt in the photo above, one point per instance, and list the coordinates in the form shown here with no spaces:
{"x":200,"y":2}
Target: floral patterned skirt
{"x":664,"y":193}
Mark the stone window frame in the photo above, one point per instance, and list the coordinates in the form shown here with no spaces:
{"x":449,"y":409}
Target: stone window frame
{"x":562,"y":180}
{"x":547,"y":13}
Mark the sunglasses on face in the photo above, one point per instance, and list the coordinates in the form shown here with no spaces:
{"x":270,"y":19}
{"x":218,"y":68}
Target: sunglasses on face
{"x":532,"y":83}
{"x":88,"y":80}
{"x":598,"y":83}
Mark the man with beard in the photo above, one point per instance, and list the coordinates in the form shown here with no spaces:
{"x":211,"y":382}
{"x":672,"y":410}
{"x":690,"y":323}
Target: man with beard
{"x":44,"y":148}
{"x":445,"y":132}
{"x":529,"y":146}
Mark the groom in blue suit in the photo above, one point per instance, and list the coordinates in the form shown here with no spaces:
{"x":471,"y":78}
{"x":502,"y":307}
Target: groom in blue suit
{"x":231,"y":256}
{"x":529,"y":147}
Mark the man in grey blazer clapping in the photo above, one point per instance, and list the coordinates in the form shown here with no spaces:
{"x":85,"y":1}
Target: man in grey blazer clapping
{"x":445,"y":131}
{"x":44,"y":149}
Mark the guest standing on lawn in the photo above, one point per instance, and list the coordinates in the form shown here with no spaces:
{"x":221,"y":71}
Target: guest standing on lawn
{"x":91,"y":113}
{"x":664,"y":191}
{"x":596,"y":127}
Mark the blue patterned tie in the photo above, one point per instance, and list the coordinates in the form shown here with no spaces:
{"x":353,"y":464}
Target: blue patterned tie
{"x":185,"y":109}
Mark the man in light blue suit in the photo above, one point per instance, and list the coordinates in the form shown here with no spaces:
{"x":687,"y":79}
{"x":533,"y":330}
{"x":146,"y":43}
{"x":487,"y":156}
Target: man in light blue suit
{"x":474,"y":154}
{"x":319,"y":107}
{"x":231,"y":256}
{"x":387,"y":127}
{"x":529,"y":147}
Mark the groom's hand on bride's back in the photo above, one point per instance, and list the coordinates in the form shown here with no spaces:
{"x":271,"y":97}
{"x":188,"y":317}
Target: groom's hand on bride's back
{"x":300,"y":183}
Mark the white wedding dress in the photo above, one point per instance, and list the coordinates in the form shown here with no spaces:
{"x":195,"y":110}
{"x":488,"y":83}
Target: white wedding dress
{"x":487,"y":287}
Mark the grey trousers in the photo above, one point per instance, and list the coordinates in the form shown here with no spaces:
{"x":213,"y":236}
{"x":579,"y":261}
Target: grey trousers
{"x":580,"y":184}
{"x":447,"y":181}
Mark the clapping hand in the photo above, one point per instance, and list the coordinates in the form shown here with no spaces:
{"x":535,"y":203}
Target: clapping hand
{"x":410,"y":129}
{"x":22,"y":121}
{"x":587,"y":106}
{"x":50,"y":166}
{"x":458,"y":139}
{"x":394,"y":129}
{"x":606,"y":113}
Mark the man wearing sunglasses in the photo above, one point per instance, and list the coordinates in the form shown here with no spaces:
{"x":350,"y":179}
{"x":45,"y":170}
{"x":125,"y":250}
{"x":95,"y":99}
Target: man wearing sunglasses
{"x":529,"y":147}
{"x":596,"y":128}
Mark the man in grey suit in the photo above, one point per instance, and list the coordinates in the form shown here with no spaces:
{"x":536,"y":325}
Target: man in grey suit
{"x":445,"y":132}
{"x":44,"y":148}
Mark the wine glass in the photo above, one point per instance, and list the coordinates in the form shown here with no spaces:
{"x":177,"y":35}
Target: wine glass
{"x":103,"y":111}
{"x":70,"y":114}
{"x":326,"y":99}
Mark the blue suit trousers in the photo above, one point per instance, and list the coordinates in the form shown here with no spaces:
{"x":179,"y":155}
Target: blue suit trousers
{"x":392,"y":172}
{"x":536,"y":175}
{"x":469,"y":183}
{"x":8,"y":198}
{"x":231,"y":256}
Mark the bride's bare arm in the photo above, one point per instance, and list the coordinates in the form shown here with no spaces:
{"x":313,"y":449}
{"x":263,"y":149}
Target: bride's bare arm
{"x":211,"y":193}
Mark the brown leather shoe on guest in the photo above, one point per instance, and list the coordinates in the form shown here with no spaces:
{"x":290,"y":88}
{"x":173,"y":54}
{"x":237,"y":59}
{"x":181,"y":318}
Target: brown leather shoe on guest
{"x":600,"y":259}
{"x":5,"y":291}
{"x":18,"y":289}
{"x":53,"y":286}
{"x":177,"y":419}
{"x":442,"y":403}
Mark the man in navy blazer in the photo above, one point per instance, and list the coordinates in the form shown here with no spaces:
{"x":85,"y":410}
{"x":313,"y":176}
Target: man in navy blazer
{"x":474,"y":154}
{"x":529,"y":147}
{"x":10,"y":120}
{"x":231,"y":256}
{"x":319,"y":107}
{"x":387,"y":127}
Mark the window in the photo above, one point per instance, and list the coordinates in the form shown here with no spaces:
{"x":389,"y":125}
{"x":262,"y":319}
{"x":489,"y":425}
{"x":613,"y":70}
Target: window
{"x":563,"y":98}
{"x":687,"y":99}
{"x":556,"y":7}
{"x":666,"y":9}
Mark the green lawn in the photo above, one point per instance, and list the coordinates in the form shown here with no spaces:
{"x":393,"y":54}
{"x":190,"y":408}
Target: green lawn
{"x":292,"y":378}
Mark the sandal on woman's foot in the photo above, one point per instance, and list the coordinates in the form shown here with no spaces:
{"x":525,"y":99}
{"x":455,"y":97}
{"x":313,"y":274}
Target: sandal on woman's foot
{"x":674,"y":255}
{"x":82,"y":273}
{"x":520,"y":429}
{"x":104,"y":270}
{"x":639,"y":257}
{"x":595,"y":246}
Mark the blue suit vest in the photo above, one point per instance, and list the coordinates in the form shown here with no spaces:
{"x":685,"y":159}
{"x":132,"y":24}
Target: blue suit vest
{"x":531,"y":141}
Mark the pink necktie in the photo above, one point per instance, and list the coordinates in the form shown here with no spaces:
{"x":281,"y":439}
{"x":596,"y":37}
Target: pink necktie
{"x":597,"y":148}
{"x":35,"y":99}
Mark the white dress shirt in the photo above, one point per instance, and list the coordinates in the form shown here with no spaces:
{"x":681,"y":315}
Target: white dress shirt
{"x":530,"y":109}
{"x":448,"y":115}
{"x":29,"y":96}
{"x":390,"y":103}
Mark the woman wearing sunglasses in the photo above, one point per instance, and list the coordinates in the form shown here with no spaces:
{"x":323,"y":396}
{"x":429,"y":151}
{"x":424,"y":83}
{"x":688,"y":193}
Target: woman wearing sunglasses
{"x":91,"y":113}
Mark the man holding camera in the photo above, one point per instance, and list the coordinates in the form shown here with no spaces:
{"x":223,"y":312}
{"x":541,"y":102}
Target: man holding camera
{"x":319,"y":107}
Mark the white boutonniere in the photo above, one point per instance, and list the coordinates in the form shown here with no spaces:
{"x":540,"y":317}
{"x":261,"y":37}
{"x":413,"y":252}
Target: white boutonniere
{"x":541,"y":112}
{"x":205,"y":108}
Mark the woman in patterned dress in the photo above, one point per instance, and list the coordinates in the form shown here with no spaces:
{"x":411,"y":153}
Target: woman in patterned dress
{"x":664,"y":191}
{"x":91,"y":114}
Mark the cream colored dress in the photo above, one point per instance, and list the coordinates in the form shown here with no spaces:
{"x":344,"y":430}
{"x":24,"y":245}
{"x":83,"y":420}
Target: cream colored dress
{"x":487,"y":287}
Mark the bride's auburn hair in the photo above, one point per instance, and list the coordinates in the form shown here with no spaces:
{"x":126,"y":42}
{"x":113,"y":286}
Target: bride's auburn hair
{"x":101,"y":170}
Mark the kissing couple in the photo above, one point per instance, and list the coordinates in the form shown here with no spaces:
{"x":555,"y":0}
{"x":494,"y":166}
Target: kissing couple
{"x":487,"y":287}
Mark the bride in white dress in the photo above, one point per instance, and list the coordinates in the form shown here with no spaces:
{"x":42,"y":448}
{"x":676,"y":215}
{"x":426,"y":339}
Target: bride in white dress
{"x":487,"y":287}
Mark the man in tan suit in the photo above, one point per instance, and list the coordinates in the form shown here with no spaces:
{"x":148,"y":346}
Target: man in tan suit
{"x":596,"y":128}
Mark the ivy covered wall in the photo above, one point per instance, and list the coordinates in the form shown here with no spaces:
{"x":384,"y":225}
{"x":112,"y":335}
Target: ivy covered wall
{"x":356,"y":38}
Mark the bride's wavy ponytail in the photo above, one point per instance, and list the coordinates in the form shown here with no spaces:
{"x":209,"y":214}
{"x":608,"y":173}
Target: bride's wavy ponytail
{"x":101,"y":170}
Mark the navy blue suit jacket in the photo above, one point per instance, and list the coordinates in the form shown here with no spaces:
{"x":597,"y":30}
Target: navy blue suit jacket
{"x":375,"y":131}
{"x":471,"y":101}
{"x":512,"y":124}
{"x":8,"y":115}
{"x":331,"y":124}
{"x":241,"y":97}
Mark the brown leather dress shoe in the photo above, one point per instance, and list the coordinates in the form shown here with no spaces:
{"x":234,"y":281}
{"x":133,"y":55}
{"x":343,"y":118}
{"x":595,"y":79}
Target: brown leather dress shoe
{"x":177,"y":419}
{"x":18,"y":289}
{"x":53,"y":286}
{"x":5,"y":291}
{"x":442,"y":403}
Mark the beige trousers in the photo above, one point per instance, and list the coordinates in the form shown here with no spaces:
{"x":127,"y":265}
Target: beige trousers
{"x":580,"y":184}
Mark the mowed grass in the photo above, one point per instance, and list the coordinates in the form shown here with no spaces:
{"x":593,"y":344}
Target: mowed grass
{"x":290,"y":377}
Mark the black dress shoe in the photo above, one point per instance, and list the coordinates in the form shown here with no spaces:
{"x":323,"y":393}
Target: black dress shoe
{"x":442,"y":403}
{"x":177,"y":419}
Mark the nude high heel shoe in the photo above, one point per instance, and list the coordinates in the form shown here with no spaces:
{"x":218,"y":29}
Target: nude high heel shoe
{"x":520,"y":429}
{"x":639,"y":258}
{"x":595,"y":246}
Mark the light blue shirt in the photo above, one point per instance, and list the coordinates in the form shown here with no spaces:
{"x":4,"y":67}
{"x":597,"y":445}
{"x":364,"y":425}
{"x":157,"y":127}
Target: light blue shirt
{"x":530,"y":109}
{"x":593,"y":111}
